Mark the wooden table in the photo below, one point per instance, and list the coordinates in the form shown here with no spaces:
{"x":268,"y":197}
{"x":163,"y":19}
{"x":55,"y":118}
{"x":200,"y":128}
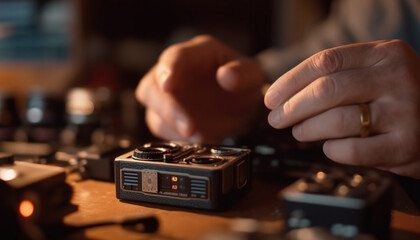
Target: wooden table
{"x":96,"y":201}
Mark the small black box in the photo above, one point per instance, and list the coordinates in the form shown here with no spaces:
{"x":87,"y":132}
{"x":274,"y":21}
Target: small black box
{"x":186,"y":175}
{"x":346,"y":202}
{"x":34,"y":198}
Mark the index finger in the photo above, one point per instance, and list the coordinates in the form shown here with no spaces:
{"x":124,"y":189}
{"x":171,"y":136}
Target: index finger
{"x":359,"y":55}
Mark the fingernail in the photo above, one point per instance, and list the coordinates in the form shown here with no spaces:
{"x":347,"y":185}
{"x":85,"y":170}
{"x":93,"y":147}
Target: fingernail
{"x":163,"y":76}
{"x":272,"y":99}
{"x":228,"y":79}
{"x":297,"y":131}
{"x":274,"y":118}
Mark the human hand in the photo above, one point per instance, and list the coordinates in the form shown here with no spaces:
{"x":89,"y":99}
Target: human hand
{"x":321,"y":98}
{"x":200,"y":90}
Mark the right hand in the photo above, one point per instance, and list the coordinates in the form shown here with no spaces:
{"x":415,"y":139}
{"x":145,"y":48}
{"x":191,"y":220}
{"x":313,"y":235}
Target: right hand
{"x":321,"y":99}
{"x":200,"y":90}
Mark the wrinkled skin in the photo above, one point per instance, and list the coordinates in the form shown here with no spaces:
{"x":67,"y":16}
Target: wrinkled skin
{"x":320,"y":98}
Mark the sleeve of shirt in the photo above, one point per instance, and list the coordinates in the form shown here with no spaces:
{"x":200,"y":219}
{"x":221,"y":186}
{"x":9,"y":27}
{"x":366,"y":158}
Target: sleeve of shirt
{"x":350,"y":21}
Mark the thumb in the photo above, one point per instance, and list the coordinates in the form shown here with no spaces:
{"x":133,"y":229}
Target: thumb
{"x":240,"y":74}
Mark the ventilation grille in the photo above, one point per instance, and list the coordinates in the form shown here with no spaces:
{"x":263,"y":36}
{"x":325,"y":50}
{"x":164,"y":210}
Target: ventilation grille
{"x":131,"y":179}
{"x":199,"y":186}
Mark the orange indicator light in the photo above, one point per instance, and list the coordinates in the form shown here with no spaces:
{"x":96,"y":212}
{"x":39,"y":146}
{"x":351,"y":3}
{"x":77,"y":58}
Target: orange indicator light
{"x":174,"y":187}
{"x":26,"y":208}
{"x":174,"y":179}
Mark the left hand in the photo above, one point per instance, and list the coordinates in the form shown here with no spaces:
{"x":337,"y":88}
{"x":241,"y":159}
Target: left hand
{"x":201,"y":90}
{"x":320,"y":97}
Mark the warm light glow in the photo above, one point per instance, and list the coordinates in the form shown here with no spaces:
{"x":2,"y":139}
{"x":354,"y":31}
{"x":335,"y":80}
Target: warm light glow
{"x":7,"y":174}
{"x":342,"y":190}
{"x":26,"y":208}
{"x":174,"y":179}
{"x":320,"y":176}
{"x":357,"y":179}
{"x":80,"y":102}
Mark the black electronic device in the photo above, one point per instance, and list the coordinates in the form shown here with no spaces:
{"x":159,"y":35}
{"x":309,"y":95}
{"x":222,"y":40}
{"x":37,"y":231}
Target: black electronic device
{"x":33,"y":196}
{"x":97,"y":161}
{"x":345,"y":201}
{"x":181,"y":174}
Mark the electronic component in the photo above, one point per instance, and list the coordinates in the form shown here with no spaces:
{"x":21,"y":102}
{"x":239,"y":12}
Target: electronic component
{"x":345,"y":201}
{"x":34,"y":197}
{"x":187,"y":175}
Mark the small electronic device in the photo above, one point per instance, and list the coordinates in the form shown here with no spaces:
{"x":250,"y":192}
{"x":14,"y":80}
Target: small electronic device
{"x":97,"y":162}
{"x":185,"y":175}
{"x":34,"y":197}
{"x":346,"y":202}
{"x":93,"y":162}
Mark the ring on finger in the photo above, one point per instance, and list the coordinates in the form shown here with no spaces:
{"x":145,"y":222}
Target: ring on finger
{"x":365,"y":120}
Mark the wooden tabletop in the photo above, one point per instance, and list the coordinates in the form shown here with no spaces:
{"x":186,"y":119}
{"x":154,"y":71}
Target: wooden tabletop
{"x":96,"y":201}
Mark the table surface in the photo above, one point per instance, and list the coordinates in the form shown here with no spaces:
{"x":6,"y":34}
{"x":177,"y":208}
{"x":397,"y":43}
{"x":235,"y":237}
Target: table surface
{"x":96,"y":201}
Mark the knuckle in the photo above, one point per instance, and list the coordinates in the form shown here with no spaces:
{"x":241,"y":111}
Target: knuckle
{"x":288,"y":108}
{"x":141,"y":90}
{"x":397,"y":51}
{"x":203,"y":38}
{"x":326,"y":89}
{"x":176,"y":51}
{"x":146,"y":87}
{"x":396,"y":46}
{"x":402,"y":62}
{"x":328,"y":60}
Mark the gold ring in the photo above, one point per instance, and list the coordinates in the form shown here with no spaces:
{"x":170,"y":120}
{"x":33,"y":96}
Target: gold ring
{"x":365,"y":120}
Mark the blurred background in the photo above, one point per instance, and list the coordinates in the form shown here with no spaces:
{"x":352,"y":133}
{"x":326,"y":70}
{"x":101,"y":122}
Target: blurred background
{"x":70,"y":67}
